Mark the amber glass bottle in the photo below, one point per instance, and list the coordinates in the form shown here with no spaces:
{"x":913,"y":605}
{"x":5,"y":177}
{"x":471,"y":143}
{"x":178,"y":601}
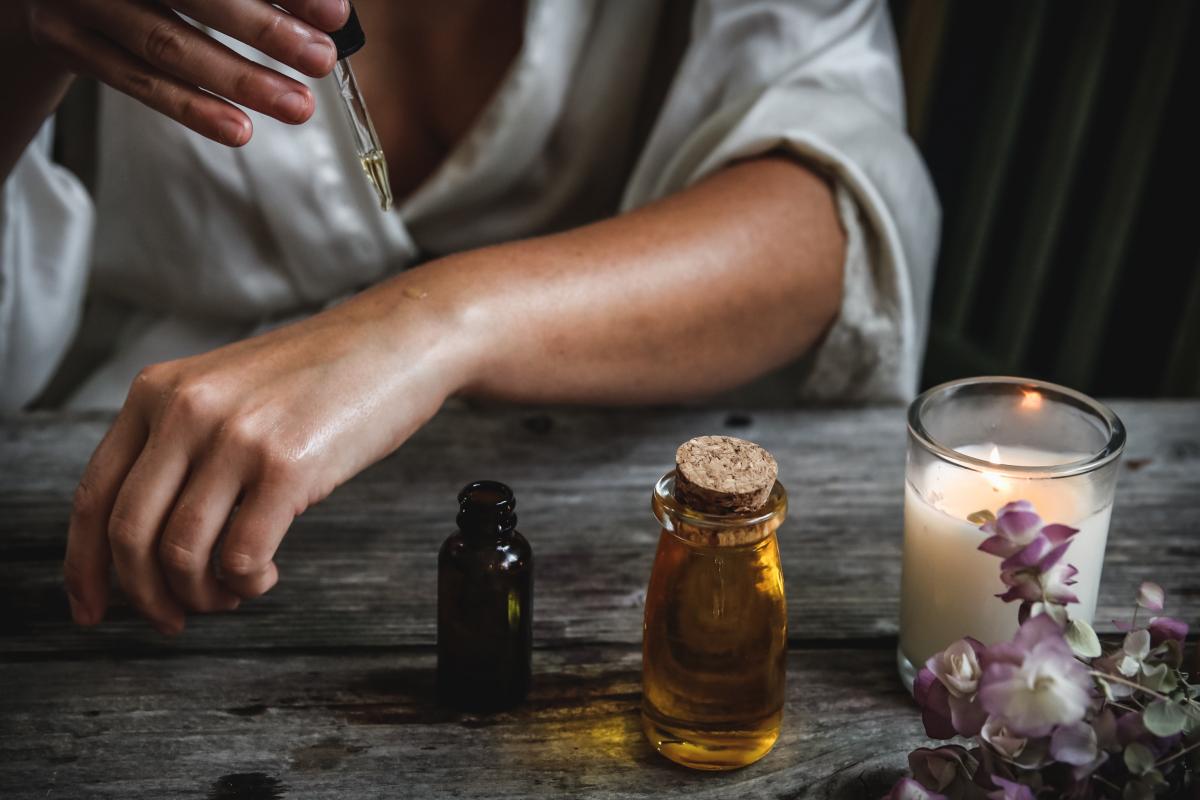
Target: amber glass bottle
{"x":714,"y":643}
{"x":485,"y":604}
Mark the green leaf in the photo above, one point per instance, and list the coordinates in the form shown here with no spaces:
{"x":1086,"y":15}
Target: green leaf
{"x":980,"y":517}
{"x":1137,"y":644}
{"x":1170,"y":652}
{"x":1083,"y":640}
{"x":1192,"y":711}
{"x":1163,"y":718}
{"x":1158,"y":678}
{"x":1054,"y":611}
{"x":1136,"y":790}
{"x":1138,"y":758}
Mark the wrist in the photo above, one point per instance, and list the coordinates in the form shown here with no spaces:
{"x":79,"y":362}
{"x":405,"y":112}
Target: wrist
{"x":451,"y":299}
{"x":429,"y":323}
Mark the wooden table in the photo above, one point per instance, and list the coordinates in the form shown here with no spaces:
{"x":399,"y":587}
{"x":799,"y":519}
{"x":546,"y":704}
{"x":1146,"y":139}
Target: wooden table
{"x":324,"y":687}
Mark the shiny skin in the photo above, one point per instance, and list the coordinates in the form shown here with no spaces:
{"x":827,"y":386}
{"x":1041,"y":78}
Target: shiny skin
{"x":696,"y":293}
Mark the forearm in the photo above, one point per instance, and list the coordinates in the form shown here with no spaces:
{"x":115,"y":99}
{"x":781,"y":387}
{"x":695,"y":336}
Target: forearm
{"x":32,"y":84}
{"x":700,"y":292}
{"x":214,"y":455}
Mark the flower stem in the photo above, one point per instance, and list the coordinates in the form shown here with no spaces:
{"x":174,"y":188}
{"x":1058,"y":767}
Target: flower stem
{"x":1123,"y":707}
{"x":1118,"y":679}
{"x":1174,"y":756}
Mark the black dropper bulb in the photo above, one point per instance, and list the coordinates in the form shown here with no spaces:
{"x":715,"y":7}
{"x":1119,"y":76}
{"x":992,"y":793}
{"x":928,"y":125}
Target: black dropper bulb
{"x":350,"y":39}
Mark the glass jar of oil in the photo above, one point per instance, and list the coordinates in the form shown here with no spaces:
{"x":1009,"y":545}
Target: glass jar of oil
{"x":714,"y":640}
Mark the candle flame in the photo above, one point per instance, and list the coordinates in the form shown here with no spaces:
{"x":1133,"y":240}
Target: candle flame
{"x":1032,"y":400}
{"x":999,"y":484}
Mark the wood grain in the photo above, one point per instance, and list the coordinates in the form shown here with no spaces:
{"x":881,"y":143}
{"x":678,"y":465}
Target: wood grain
{"x":324,"y":687}
{"x":363,"y":725}
{"x":359,"y":568}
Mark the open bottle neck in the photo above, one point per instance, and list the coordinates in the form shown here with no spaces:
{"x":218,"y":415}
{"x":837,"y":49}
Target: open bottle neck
{"x":486,"y":512}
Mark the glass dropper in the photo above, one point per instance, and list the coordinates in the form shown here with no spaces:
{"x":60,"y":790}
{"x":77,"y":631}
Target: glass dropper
{"x":349,"y":40}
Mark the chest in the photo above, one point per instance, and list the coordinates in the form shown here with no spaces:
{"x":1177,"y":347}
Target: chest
{"x":428,"y":71}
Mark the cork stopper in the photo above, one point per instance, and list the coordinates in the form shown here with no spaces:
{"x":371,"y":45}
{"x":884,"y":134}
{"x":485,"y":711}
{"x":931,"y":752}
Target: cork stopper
{"x":723,"y":475}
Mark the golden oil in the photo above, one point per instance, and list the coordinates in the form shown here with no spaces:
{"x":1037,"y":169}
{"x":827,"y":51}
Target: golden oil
{"x":375,"y":165}
{"x":714,"y":643}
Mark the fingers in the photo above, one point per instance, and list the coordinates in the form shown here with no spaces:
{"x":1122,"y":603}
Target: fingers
{"x":193,"y":528}
{"x":85,"y":569}
{"x":282,"y":36}
{"x":160,"y":38}
{"x":328,"y":15}
{"x":138,"y":515}
{"x":204,"y":113}
{"x":247,"y":554}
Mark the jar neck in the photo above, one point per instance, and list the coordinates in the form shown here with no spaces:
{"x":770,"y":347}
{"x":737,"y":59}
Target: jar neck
{"x":703,"y":529}
{"x":748,"y":537}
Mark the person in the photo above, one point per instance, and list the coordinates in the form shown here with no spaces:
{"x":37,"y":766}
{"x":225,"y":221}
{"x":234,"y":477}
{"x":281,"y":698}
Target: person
{"x":611,"y":203}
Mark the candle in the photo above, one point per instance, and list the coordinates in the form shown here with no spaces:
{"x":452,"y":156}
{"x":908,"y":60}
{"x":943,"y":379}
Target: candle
{"x":976,"y":445}
{"x":949,"y":586}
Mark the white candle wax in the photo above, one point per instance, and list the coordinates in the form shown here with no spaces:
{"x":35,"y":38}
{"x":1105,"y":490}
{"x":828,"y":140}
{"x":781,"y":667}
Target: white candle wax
{"x":948,"y":586}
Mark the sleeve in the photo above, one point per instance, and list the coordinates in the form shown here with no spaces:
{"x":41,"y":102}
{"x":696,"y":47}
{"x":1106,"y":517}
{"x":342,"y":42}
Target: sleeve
{"x":46,"y":221}
{"x":820,"y":80}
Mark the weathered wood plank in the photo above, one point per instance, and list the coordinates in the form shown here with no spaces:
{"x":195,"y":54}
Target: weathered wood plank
{"x":362,"y":725}
{"x":359,"y":568}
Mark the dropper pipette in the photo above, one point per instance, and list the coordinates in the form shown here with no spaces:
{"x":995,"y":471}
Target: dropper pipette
{"x":349,"y":40}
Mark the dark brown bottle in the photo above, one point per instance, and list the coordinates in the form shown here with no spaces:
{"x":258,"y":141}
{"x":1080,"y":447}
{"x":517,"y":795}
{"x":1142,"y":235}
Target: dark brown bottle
{"x":485,"y":604}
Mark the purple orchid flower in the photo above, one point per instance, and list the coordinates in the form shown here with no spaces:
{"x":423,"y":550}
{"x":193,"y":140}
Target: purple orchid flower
{"x":1035,"y":574}
{"x":934,"y":699}
{"x":1010,"y":790}
{"x":946,"y":688}
{"x":996,"y":734}
{"x":1164,"y":628}
{"x":1074,"y":744}
{"x":1034,"y":682}
{"x":958,"y":666}
{"x":1016,"y":527}
{"x":1151,"y":596}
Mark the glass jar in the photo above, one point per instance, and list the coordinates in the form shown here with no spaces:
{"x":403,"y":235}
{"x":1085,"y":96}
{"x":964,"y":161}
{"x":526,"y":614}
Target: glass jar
{"x":714,"y":639}
{"x":976,"y":445}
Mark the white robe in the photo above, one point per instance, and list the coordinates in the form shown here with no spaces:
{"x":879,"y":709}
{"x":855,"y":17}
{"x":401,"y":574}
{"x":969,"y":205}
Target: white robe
{"x":191,"y":245}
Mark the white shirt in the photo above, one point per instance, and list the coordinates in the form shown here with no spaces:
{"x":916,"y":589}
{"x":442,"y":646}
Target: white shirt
{"x":198,"y":245}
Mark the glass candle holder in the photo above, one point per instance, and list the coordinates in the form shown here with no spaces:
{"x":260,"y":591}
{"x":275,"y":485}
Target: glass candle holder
{"x":975,"y":445}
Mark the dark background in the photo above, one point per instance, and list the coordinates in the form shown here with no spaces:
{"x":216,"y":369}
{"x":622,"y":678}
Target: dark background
{"x":1062,"y":137}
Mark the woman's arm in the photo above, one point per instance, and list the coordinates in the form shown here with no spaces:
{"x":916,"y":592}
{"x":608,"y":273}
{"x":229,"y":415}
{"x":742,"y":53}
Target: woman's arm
{"x":700,"y":292}
{"x":693,"y":294}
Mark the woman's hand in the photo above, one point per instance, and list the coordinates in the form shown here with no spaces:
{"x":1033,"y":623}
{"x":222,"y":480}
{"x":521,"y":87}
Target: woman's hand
{"x":270,"y":426}
{"x":692,"y":294}
{"x":147,"y":50}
